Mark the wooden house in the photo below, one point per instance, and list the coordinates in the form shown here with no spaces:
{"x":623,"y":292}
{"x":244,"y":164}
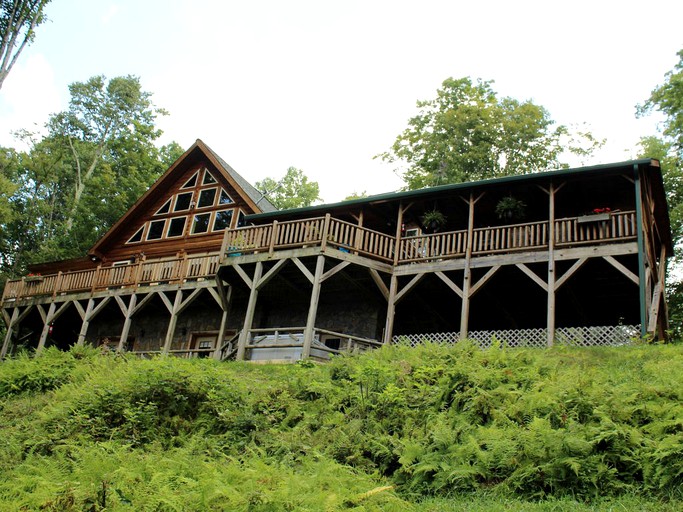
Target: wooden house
{"x":571,"y":256}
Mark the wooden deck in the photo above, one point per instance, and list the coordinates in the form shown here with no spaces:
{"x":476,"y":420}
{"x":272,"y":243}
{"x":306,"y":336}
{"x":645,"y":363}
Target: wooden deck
{"x":134,"y":275}
{"x":322,"y":232}
{"x":345,"y":236}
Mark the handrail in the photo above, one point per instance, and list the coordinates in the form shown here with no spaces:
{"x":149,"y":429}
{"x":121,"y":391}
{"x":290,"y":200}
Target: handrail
{"x":148,"y":272}
{"x":340,"y":235}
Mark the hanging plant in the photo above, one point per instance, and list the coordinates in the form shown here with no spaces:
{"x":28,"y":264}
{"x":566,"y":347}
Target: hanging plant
{"x":511,"y":209}
{"x":433,"y":220}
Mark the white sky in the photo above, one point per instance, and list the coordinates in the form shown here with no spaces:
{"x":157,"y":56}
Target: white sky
{"x":325,"y":85}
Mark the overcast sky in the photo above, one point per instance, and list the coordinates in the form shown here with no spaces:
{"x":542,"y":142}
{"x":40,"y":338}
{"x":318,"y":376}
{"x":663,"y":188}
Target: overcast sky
{"x":326,"y":85}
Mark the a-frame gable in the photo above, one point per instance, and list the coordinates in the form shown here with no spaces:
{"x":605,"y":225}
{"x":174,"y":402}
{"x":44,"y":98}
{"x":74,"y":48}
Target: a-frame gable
{"x":186,"y":209}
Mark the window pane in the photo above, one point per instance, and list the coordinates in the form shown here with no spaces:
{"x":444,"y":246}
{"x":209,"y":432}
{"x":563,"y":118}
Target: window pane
{"x":206,"y":198}
{"x":176,"y":227}
{"x":240,"y":220}
{"x":183,"y":201}
{"x":222,"y":220}
{"x":165,"y":208}
{"x":208,"y":179}
{"x":137,"y":236}
{"x":191,"y":182}
{"x":225,"y":198}
{"x":156,"y":229}
{"x":201,"y":223}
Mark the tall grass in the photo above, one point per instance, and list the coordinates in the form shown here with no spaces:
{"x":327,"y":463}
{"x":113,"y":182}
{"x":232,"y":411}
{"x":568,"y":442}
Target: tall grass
{"x":426,"y":428}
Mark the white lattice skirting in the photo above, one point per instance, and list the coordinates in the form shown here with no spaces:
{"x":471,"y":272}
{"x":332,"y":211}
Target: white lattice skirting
{"x":609,"y":335}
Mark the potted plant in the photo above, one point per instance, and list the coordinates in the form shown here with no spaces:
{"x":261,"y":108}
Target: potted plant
{"x":433,"y":220}
{"x":511,"y":209}
{"x":33,"y":278}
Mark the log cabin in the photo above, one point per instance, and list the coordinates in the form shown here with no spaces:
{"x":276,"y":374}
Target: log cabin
{"x":203,"y":265}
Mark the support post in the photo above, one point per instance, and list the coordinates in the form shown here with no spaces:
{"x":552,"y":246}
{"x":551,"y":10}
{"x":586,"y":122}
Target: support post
{"x":391,"y":310}
{"x":313,"y":308}
{"x":641,"y":250}
{"x":550,"y":327}
{"x":86,"y":322}
{"x":126,"y":322}
{"x":467,"y":278}
{"x":8,"y":335}
{"x":224,"y":321}
{"x":249,"y":316}
{"x":172,"y":322}
{"x":46,"y":327}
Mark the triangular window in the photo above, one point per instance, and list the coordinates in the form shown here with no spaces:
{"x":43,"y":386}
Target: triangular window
{"x":208,"y":178}
{"x":240,"y":219}
{"x":224,"y":198}
{"x":192,"y":182}
{"x":137,"y":236}
{"x":165,"y":208}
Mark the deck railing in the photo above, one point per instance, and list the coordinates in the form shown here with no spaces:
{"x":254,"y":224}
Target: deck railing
{"x":341,"y":235}
{"x":171,"y":270}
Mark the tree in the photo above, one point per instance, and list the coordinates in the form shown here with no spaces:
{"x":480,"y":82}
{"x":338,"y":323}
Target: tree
{"x":667,"y":98}
{"x":356,"y":195}
{"x":294,"y":190}
{"x":18,"y":22}
{"x":467,"y":133}
{"x":63,"y":200}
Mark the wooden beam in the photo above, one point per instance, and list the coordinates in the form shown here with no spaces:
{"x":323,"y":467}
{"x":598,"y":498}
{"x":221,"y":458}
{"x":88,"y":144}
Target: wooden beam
{"x":167,"y":301}
{"x":475,"y":288}
{"x":563,"y":279}
{"x":249,"y":315}
{"x":85,"y":317}
{"x":304,"y":270}
{"x":532,"y":275}
{"x":214,"y":293}
{"x":380,"y":284}
{"x":550,"y":286}
{"x":122,"y":305}
{"x":46,"y":327}
{"x":173,"y":321}
{"x":391,"y":310}
{"x":467,"y":275}
{"x":313,"y":308}
{"x":270,"y":274}
{"x":408,"y":287}
{"x":338,"y":267}
{"x":186,"y":302}
{"x":80,"y":309}
{"x":142,"y":303}
{"x":96,"y":310}
{"x":8,"y":335}
{"x":621,"y":268}
{"x":41,"y":311}
{"x":240,"y":271}
{"x":449,"y":283}
{"x":224,"y":322}
{"x":5,"y":316}
{"x":128,"y":318}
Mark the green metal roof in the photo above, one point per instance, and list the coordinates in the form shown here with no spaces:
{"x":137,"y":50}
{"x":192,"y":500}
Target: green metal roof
{"x":426,"y":192}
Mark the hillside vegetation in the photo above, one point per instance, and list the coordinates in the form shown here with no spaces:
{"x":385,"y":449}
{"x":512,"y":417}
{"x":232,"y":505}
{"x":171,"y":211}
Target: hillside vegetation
{"x":399,"y":429}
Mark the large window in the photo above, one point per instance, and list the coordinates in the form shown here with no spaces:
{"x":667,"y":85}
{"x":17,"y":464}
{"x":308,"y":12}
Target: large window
{"x":183,"y":202}
{"x":176,"y":227}
{"x":206,"y":198}
{"x":201,"y":223}
{"x":222,"y":220}
{"x":156,"y":229}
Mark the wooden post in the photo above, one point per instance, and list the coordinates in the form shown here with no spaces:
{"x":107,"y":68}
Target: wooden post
{"x":58,"y":282}
{"x":86,"y":322}
{"x":313,"y":307}
{"x":391,"y":310}
{"x":467,"y":278}
{"x":550,"y":327}
{"x":224,"y":321}
{"x":399,"y":226}
{"x":273,"y":237}
{"x":326,"y":230}
{"x":641,"y":250}
{"x":359,"y":233}
{"x":249,"y":316}
{"x":172,"y":322}
{"x":126,"y":322}
{"x":8,"y":335}
{"x":46,"y":328}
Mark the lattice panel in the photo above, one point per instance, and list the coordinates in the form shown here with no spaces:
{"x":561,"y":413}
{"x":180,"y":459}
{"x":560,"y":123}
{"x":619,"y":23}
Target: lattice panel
{"x":614,"y":335}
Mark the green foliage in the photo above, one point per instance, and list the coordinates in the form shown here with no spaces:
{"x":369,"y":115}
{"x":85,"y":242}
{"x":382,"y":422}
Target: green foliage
{"x":468,"y":133}
{"x":667,"y":98}
{"x":104,"y":141}
{"x":399,"y":428}
{"x":293,"y":190}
